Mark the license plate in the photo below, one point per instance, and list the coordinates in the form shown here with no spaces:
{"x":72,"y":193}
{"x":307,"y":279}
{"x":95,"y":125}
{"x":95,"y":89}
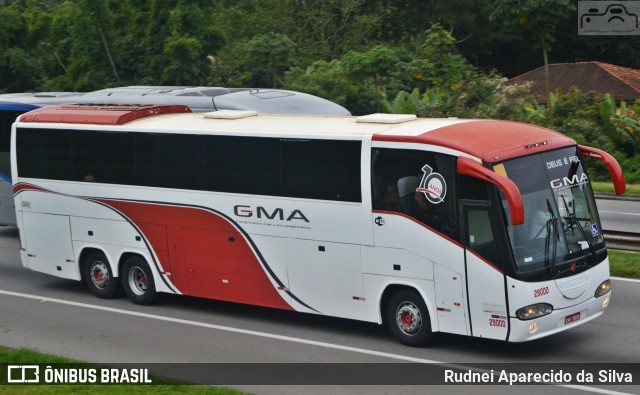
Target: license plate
{"x":571,"y":318}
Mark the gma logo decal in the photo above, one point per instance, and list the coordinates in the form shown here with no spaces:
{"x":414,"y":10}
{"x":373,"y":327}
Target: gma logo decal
{"x":261,"y":212}
{"x":569,"y":181}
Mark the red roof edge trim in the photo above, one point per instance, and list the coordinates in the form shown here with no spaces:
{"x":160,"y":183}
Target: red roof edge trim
{"x":612,"y":165}
{"x":99,"y":114}
{"x":487,"y":139}
{"x":514,"y":198}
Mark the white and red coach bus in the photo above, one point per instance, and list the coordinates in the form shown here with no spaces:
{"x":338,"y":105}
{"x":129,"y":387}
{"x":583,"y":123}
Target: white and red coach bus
{"x":475,"y":227}
{"x":198,"y":99}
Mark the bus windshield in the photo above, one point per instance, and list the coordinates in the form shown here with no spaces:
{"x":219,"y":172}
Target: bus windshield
{"x":561,"y":221}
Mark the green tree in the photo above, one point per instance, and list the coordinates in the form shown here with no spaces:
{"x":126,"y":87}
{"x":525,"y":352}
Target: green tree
{"x":329,"y":29}
{"x":82,"y":44}
{"x":184,"y":40}
{"x":375,"y":65}
{"x":18,"y":70}
{"x":436,"y":61}
{"x":271,"y":51}
{"x":328,"y":80}
{"x":540,"y":17}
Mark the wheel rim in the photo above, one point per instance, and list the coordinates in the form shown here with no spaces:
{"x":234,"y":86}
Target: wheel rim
{"x":137,"y":280}
{"x":100,"y":275}
{"x":408,"y":318}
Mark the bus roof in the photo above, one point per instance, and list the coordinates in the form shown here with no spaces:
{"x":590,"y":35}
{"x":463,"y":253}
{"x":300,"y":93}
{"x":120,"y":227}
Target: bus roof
{"x":197,"y":98}
{"x":488,"y":140}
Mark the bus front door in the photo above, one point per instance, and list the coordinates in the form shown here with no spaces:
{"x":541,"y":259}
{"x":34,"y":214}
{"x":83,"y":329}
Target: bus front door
{"x":487,"y":302}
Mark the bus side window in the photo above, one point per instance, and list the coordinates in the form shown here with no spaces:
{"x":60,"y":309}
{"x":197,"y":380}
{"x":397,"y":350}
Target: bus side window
{"x":474,"y":195}
{"x":480,"y":233}
{"x":397,"y":175}
{"x":473,"y":189}
{"x":407,"y":194}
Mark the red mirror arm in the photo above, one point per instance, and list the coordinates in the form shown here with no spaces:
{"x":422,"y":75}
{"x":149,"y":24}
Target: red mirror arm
{"x":612,"y":165}
{"x":512,"y":193}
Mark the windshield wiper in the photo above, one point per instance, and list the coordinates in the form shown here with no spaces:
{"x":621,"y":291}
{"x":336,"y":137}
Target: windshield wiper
{"x":573,"y":218}
{"x":552,"y":225}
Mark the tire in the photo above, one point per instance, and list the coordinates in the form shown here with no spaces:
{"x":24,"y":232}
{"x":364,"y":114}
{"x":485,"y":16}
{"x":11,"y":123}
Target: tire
{"x":137,"y":281}
{"x":99,"y":277}
{"x":408,"y":318}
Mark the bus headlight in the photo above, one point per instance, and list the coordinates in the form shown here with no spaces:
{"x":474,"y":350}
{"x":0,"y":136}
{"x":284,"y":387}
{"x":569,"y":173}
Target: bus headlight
{"x":603,"y":289}
{"x":534,"y":311}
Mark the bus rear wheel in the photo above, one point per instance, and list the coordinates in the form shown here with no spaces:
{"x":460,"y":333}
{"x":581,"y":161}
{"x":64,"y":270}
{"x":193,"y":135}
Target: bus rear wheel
{"x":408,"y":318}
{"x":99,"y":277}
{"x":137,"y":280}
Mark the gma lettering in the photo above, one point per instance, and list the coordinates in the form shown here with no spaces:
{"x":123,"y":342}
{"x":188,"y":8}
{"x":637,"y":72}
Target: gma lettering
{"x":569,"y":181}
{"x":261,"y":212}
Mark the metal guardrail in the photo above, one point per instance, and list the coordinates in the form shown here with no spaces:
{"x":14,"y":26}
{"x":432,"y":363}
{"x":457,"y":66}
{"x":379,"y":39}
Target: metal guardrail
{"x":622,"y":240}
{"x":613,"y":196}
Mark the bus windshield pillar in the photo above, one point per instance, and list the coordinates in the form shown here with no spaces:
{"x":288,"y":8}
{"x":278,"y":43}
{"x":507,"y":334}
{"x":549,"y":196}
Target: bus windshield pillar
{"x":512,"y":193}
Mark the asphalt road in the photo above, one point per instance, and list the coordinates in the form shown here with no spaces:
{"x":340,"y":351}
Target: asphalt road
{"x":619,"y":215}
{"x":61,"y":317}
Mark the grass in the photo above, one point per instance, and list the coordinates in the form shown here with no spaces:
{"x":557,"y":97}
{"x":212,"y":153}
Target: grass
{"x":624,"y":263}
{"x":161,"y":385}
{"x":607,"y":187}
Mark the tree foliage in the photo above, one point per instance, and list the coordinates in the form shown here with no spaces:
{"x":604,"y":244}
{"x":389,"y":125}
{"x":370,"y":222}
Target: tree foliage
{"x":538,"y":17}
{"x":272,"y":52}
{"x":432,"y":58}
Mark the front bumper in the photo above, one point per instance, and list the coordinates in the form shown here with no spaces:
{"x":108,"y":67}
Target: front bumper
{"x":556,"y":321}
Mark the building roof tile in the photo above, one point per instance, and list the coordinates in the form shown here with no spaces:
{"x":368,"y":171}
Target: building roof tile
{"x":621,"y":83}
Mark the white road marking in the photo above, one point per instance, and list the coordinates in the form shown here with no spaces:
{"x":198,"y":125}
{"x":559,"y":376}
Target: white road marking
{"x":593,"y":389}
{"x":617,"y":212}
{"x":279,"y":337}
{"x":632,"y":280}
{"x":220,"y":327}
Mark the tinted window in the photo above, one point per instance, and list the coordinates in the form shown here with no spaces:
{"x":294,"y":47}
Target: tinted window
{"x":170,"y":160}
{"x":419,"y":184}
{"x":480,"y":233}
{"x":472,"y":188}
{"x":7,"y":118}
{"x":243,"y":165}
{"x":44,"y":154}
{"x":104,"y":157}
{"x":312,"y":169}
{"x":321,"y":169}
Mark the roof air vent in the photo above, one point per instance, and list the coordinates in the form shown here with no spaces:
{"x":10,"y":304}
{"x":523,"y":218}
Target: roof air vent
{"x":386,"y":118}
{"x":230,"y":114}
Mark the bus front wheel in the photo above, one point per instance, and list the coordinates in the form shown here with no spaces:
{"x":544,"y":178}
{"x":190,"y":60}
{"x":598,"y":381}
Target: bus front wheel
{"x":137,"y":280}
{"x":99,"y":277}
{"x":408,"y":318}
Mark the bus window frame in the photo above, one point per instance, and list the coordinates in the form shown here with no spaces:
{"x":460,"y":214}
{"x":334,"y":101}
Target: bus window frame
{"x":498,"y":225}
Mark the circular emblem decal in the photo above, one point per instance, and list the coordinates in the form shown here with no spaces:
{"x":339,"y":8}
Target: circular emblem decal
{"x":433,"y":186}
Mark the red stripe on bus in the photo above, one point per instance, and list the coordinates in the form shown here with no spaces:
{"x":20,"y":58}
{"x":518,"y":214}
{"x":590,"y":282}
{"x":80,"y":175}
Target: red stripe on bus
{"x":438,"y":233}
{"x":449,"y":239}
{"x":484,"y":260}
{"x":193,"y":244}
{"x":27,"y":187}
